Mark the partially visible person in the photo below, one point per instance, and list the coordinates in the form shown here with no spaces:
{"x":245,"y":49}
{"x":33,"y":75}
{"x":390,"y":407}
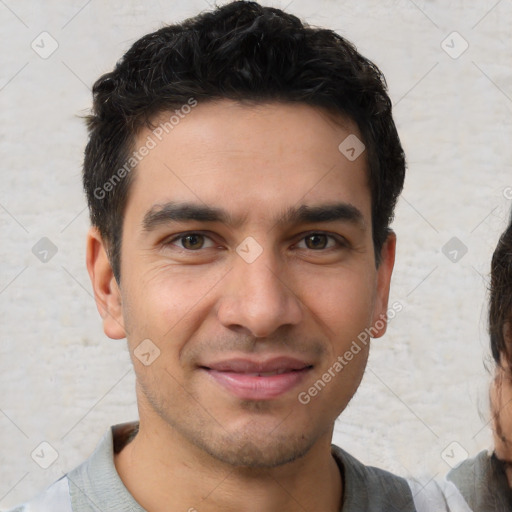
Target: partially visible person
{"x":486,"y":480}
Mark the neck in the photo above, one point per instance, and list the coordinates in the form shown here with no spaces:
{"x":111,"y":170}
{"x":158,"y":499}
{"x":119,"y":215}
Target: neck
{"x":160,"y":467}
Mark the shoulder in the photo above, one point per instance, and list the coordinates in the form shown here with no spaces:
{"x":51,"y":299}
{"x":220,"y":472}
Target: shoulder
{"x":370,"y":488}
{"x":483,"y":483}
{"x":437,"y":494}
{"x":373,"y":490}
{"x":54,"y":498}
{"x":62,"y":495}
{"x":471,"y":470}
{"x":482,"y":471}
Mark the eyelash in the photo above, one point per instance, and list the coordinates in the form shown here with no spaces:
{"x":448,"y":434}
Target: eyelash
{"x":341,"y":243}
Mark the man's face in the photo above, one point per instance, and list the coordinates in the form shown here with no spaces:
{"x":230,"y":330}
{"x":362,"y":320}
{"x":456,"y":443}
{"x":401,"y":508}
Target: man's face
{"x":249,"y":310}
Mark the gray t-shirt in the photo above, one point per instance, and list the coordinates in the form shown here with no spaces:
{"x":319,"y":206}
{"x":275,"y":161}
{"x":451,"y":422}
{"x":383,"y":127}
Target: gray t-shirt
{"x":95,"y":485}
{"x":483,"y":483}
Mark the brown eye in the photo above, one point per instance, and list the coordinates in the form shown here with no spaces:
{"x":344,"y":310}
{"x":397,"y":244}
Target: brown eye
{"x":322,"y":242}
{"x":316,"y":241}
{"x":193,"y":241}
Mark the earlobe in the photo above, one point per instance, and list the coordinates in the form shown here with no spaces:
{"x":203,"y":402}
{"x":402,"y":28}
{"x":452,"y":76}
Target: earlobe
{"x":106,"y":289}
{"x":384,"y":271}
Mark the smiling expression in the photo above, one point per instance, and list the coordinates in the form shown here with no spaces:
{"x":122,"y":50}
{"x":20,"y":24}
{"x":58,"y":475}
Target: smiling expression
{"x":247,"y":259}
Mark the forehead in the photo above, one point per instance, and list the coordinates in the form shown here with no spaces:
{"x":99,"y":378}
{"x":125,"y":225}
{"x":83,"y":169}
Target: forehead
{"x":253,"y":160}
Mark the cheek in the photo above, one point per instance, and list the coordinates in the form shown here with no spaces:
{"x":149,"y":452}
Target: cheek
{"x":346,"y":303}
{"x":343,"y":309}
{"x":166,"y":302}
{"x":501,"y":407}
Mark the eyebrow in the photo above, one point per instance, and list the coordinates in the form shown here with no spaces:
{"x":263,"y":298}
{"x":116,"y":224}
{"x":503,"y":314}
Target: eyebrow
{"x":161,"y":214}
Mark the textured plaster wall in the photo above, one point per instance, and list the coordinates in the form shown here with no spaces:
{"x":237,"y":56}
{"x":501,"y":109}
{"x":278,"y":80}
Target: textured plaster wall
{"x":63,"y":382}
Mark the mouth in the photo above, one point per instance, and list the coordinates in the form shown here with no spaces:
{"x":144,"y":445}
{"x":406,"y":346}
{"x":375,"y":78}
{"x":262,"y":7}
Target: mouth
{"x":258,"y":380}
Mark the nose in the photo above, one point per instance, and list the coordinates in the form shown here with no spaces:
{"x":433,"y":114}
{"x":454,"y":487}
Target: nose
{"x":257,"y":297}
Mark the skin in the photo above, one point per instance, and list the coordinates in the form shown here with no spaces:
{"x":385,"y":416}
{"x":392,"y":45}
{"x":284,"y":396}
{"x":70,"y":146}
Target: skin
{"x":200,"y":446}
{"x":501,"y":405}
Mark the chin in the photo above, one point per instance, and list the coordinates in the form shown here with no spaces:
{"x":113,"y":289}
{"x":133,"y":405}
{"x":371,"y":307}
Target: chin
{"x":254,"y":446}
{"x":258,"y":450}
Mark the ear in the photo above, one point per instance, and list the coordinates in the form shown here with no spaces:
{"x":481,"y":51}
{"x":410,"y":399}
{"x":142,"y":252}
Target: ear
{"x":384,"y":271}
{"x":106,"y":290}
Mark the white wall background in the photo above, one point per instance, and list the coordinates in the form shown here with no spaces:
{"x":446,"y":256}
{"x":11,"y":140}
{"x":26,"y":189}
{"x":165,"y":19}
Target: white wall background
{"x":64,"y":382}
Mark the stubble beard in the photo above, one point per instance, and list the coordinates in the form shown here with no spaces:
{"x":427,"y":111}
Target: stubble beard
{"x":253,"y":447}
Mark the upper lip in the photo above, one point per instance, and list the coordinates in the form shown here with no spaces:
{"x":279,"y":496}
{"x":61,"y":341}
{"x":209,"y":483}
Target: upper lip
{"x":244,"y":365}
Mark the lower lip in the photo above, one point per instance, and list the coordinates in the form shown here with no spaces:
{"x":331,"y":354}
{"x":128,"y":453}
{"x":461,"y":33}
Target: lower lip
{"x":252,"y":387}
